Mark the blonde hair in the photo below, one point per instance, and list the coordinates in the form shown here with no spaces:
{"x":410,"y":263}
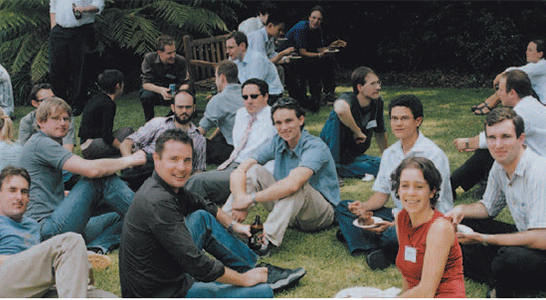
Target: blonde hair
{"x":51,"y":106}
{"x":6,"y":127}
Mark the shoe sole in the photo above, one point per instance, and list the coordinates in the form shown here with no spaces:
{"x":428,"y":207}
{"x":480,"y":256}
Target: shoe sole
{"x":289,"y":281}
{"x":99,"y":261}
{"x":377,"y":260}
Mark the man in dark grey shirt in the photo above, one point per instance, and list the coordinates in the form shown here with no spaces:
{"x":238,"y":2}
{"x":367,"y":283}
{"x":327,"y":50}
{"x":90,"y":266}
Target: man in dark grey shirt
{"x":166,"y":228}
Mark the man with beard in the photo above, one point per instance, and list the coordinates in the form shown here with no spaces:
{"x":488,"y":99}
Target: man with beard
{"x":145,"y":138}
{"x":349,"y":128}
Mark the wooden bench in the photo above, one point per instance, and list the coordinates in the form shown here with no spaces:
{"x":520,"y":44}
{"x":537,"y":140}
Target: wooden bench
{"x":202,"y":56}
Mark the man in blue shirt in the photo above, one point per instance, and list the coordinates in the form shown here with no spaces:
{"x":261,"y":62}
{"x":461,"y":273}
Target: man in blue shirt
{"x":59,"y":264}
{"x":303,"y":189}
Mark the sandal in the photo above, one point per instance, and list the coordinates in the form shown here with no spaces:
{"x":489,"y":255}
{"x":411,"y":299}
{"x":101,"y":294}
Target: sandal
{"x":475,"y":107}
{"x":479,"y":111}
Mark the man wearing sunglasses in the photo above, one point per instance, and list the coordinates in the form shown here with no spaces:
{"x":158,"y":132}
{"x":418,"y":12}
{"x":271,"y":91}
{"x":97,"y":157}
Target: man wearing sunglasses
{"x":252,"y":128}
{"x":27,"y":126}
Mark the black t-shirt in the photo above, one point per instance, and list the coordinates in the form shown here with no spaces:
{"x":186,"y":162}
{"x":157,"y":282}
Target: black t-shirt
{"x":98,"y":119}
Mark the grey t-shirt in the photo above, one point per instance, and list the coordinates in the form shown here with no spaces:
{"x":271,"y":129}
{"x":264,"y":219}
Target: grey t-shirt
{"x":44,"y":158}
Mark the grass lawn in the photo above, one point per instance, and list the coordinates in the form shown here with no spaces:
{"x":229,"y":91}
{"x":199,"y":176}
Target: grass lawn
{"x":329,"y":266}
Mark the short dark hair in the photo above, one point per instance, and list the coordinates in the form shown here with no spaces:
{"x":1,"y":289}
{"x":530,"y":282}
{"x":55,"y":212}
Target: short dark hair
{"x":409,"y":101}
{"x":266,"y":7}
{"x":359,"y":77}
{"x":108,"y":80}
{"x":187,"y":92}
{"x":163,"y":40}
{"x":500,"y":114}
{"x":262,"y":85}
{"x":430,"y":173}
{"x":317,"y":8}
{"x":239,"y":37}
{"x":276,"y":18}
{"x":36,"y":88}
{"x":288,"y":103}
{"x":228,"y":69}
{"x":518,"y":81}
{"x":177,"y":135}
{"x":541,"y":46}
{"x":11,"y":171}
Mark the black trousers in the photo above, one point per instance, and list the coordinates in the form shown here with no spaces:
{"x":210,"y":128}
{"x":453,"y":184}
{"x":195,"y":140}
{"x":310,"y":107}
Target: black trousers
{"x":149,"y":100}
{"x":218,"y":150}
{"x":475,"y":169}
{"x":511,"y":270}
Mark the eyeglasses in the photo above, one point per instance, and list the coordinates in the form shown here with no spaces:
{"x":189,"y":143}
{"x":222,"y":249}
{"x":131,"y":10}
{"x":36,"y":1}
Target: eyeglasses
{"x":253,"y":96}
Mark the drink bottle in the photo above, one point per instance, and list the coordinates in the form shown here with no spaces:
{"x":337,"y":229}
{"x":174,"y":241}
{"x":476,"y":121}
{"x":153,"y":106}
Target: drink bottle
{"x":257,"y":231}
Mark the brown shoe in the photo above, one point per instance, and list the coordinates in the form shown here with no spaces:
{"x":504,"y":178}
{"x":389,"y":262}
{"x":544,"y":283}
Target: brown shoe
{"x":98,"y":261}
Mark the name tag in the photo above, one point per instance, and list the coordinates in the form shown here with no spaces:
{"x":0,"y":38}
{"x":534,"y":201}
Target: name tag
{"x":410,"y":254}
{"x":371,"y":124}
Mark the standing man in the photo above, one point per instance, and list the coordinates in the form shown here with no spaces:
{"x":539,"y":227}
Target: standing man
{"x":252,"y":129}
{"x":160,"y":69}
{"x":71,"y":27}
{"x":253,"y":64}
{"x":30,"y":268}
{"x":167,"y":228}
{"x":510,"y":258}
{"x":303,"y":189}
{"x":220,"y":113}
{"x":254,"y":23}
{"x":349,"y":128}
{"x":380,"y":244}
{"x":145,"y":138}
{"x":6,"y":92}
{"x":45,"y":159}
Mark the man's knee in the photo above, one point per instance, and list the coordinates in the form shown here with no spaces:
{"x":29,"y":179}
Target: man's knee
{"x":148,"y":97}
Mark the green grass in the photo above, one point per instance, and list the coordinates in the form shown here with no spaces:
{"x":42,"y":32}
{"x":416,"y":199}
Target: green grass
{"x":329,"y":265}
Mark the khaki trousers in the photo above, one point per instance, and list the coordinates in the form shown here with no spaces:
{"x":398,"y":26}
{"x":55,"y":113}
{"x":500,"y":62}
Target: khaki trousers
{"x":306,"y":209}
{"x":60,"y":261}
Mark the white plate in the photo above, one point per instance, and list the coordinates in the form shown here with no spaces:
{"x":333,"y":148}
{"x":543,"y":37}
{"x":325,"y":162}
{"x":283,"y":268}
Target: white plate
{"x":464,"y":229}
{"x":376,"y":222}
{"x":331,"y":51}
{"x":294,"y":57}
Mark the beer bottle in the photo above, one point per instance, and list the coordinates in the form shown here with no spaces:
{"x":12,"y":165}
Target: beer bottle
{"x":256,"y":231}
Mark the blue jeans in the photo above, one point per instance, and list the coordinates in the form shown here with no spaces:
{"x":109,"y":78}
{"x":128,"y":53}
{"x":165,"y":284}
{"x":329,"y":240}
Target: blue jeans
{"x":359,"y":165}
{"x":211,"y":236}
{"x":360,"y":240}
{"x":78,"y":212}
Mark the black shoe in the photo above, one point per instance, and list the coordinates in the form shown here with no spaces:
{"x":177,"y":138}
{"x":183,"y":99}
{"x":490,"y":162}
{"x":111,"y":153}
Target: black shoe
{"x":377,"y":260}
{"x":340,"y":237}
{"x":280,"y":278}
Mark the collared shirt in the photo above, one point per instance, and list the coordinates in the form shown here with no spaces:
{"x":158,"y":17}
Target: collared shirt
{"x":310,"y":152}
{"x":537,"y":75}
{"x":10,"y":152}
{"x":251,"y":24}
{"x":257,"y":65}
{"x":17,"y":237}
{"x":158,"y":257}
{"x":158,"y":73}
{"x":146,"y":136}
{"x":262,"y":131}
{"x":6,"y":92}
{"x":261,"y":42}
{"x":525,"y":193}
{"x":300,"y":36}
{"x":423,"y":147}
{"x":221,"y":110}
{"x":28,"y":127}
{"x":64,"y":15}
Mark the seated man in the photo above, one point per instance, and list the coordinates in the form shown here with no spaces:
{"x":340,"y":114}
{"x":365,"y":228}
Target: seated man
{"x":348,"y":130}
{"x":380,"y":244}
{"x":160,"y":69}
{"x":96,"y":136}
{"x":45,"y":159}
{"x":220,"y":113}
{"x":167,"y":228}
{"x":515,"y":91}
{"x":254,"y":23}
{"x":145,"y":138}
{"x":303,"y":189}
{"x":29,"y":268}
{"x":252,"y":129}
{"x":253,"y":64}
{"x":27,"y":125}
{"x":511,"y":259}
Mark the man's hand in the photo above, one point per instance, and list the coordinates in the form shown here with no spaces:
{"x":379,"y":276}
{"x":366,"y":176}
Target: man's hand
{"x":456,"y":214}
{"x":242,"y":202}
{"x":338,"y":44}
{"x":462,"y":145}
{"x":470,"y":238}
{"x":255,"y":276}
{"x":359,"y":137}
{"x":138,"y":158}
{"x":287,"y":51}
{"x":239,"y":215}
{"x":242,"y":229}
{"x":381,"y":228}
{"x":357,"y":208}
{"x":166,"y":94}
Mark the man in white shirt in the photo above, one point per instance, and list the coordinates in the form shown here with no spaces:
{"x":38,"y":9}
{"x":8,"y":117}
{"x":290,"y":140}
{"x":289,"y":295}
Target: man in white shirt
{"x":214,"y":184}
{"x":254,"y":23}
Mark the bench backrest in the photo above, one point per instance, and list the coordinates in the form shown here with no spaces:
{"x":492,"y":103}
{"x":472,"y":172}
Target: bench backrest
{"x":202,"y":56}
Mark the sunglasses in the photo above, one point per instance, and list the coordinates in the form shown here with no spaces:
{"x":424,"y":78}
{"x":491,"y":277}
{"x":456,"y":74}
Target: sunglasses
{"x":253,"y":96}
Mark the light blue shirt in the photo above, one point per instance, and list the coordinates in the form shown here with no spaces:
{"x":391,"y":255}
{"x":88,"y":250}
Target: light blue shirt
{"x":259,"y":41}
{"x":525,"y":193}
{"x":9,"y":154}
{"x":6,"y":92}
{"x":257,"y":65}
{"x":537,"y":75}
{"x":16,"y":237}
{"x":221,"y":110}
{"x":310,"y":152}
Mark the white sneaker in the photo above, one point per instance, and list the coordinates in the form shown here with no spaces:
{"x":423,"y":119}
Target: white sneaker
{"x":368,"y":177}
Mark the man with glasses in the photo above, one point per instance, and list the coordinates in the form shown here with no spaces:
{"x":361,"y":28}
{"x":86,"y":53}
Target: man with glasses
{"x":27,"y":126}
{"x":349,"y":128}
{"x":96,"y":204}
{"x":252,"y":128}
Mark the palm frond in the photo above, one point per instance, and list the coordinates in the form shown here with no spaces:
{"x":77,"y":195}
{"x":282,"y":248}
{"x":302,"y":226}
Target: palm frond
{"x":30,"y":46}
{"x":40,"y":65}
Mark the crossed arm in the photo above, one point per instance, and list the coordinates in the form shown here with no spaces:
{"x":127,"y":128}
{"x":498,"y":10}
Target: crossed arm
{"x":103,"y":167}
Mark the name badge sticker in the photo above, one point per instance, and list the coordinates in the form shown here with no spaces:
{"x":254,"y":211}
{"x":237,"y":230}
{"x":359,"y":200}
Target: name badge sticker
{"x":410,"y":254}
